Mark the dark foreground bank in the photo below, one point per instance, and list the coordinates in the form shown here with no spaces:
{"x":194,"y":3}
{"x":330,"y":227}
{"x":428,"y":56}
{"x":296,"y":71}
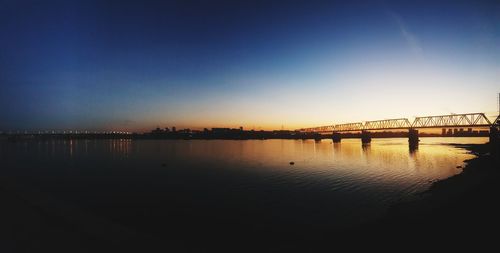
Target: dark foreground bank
{"x":463,"y":207}
{"x":460,"y":209}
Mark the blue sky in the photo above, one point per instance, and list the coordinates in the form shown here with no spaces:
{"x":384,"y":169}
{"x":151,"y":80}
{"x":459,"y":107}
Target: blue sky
{"x":135,"y":65}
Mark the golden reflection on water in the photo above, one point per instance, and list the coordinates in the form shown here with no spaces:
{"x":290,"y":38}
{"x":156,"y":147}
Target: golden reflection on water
{"x":384,"y":162}
{"x":391,"y":161}
{"x":120,"y":147}
{"x":75,"y":147}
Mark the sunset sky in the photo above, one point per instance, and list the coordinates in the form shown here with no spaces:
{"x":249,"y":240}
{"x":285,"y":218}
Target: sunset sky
{"x":136,"y":65}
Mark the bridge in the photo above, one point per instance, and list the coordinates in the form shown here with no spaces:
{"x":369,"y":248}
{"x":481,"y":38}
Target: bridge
{"x":468,"y":120}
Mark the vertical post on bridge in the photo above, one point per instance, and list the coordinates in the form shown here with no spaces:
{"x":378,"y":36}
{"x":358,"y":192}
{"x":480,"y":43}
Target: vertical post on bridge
{"x":495,"y":131}
{"x":494,"y":135}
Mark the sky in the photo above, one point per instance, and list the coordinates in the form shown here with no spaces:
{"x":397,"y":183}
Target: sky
{"x":138,"y":65}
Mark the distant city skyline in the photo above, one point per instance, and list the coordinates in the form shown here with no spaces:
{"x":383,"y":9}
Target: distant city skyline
{"x":137,"y":65}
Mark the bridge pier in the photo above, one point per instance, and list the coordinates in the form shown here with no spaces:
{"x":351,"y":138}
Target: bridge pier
{"x":317,"y":137}
{"x":336,"y":137}
{"x":413,"y":137}
{"x":365,"y":137}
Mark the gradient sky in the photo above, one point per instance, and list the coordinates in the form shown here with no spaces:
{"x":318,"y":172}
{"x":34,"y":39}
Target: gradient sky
{"x":136,"y":65}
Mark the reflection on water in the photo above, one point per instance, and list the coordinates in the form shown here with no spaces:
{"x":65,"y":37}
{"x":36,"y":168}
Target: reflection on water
{"x":340,"y":183}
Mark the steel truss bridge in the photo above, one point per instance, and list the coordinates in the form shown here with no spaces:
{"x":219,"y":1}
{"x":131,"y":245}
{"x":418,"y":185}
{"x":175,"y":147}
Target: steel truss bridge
{"x":442,"y":121}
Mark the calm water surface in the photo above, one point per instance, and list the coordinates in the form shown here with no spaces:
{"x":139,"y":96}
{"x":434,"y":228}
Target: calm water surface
{"x":157,"y":185}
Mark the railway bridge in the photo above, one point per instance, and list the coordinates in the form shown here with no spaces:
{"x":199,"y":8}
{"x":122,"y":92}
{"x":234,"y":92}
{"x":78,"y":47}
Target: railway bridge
{"x":467,"y":120}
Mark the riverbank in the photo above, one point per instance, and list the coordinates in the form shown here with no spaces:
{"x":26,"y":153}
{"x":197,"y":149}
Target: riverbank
{"x":463,"y":206}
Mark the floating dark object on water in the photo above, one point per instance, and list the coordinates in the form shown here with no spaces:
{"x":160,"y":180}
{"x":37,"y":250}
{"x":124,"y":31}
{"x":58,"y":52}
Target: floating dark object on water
{"x":292,"y":163}
{"x":163,"y":165}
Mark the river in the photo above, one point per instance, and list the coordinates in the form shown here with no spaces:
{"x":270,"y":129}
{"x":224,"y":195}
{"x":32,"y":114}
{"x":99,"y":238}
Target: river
{"x":160,"y":186}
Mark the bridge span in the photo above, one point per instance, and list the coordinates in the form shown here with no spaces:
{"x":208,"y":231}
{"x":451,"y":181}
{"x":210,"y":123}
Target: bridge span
{"x":467,"y":120}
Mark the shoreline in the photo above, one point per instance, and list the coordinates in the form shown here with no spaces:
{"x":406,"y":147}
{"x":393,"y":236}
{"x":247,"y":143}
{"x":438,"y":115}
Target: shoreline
{"x":464,"y":202}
